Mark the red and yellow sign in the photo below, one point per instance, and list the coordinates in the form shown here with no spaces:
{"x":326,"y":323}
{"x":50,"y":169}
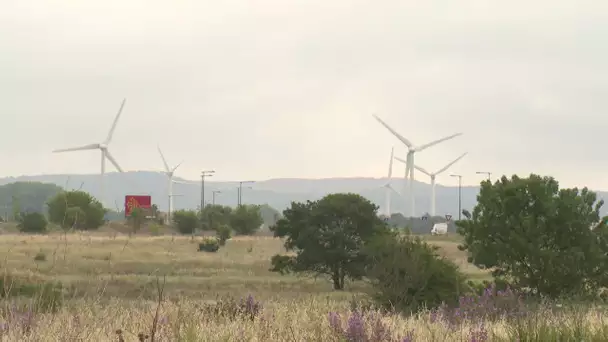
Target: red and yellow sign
{"x":136,"y":201}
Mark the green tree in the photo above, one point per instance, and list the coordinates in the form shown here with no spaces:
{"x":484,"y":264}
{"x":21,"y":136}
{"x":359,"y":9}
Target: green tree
{"x":407,"y":274}
{"x":62,"y":212}
{"x":75,"y":218}
{"x":32,"y":223}
{"x":538,"y":236}
{"x":246,"y":219}
{"x":328,"y":237}
{"x":185,"y":221}
{"x":214,"y":215}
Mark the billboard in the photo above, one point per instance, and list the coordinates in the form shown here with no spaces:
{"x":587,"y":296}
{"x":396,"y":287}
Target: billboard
{"x":137,"y":201}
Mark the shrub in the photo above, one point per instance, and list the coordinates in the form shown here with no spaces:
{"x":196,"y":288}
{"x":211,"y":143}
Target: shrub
{"x":491,"y":305}
{"x":185,"y":221}
{"x":209,"y":245}
{"x":407,"y":274}
{"x":223,"y":233}
{"x":32,"y":223}
{"x":40,"y":256}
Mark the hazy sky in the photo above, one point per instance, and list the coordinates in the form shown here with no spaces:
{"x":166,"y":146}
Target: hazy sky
{"x":269,"y":89}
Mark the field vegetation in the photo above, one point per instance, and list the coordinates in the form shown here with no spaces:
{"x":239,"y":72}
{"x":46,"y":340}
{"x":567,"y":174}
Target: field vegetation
{"x":535,"y":273}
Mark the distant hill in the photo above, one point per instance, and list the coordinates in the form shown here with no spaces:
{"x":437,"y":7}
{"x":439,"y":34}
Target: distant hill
{"x":277,"y":193}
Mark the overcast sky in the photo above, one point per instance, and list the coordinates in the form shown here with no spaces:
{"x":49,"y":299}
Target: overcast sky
{"x":271,"y":89}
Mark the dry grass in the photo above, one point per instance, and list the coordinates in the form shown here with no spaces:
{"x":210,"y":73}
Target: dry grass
{"x":118,"y":278}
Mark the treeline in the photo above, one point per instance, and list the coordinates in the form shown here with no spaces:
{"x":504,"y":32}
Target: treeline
{"x":19,"y":197}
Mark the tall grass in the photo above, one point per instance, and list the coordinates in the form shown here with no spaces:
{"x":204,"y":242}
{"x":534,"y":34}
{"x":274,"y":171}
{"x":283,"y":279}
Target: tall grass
{"x":163,"y":289}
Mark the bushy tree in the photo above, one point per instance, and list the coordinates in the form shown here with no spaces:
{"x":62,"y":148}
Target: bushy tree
{"x":246,"y":219}
{"x":328,"y":236}
{"x":33,"y":222}
{"x":75,"y":218}
{"x":407,"y":274}
{"x":214,"y":215}
{"x":67,"y":209}
{"x":185,"y":221}
{"x":538,"y":236}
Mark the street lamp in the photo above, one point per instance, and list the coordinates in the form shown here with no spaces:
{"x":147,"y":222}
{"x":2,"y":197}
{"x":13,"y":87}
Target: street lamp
{"x":204,"y":173}
{"x":213,"y":196}
{"x":240,"y":202}
{"x":487,"y":173}
{"x":459,"y":194}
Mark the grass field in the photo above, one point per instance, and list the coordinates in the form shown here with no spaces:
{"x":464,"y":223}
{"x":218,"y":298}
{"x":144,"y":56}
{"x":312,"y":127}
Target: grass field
{"x":113,"y":281}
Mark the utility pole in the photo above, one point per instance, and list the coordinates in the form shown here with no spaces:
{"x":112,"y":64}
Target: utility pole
{"x":487,"y":173}
{"x":205,"y":173}
{"x":241,"y":191}
{"x":213,"y":196}
{"x":238,"y":196}
{"x":459,"y":194}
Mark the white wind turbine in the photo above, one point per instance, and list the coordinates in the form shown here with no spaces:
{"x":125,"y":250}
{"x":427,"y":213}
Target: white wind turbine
{"x":409,"y":166}
{"x":433,"y":175}
{"x":389,"y":188}
{"x":169,"y":172}
{"x":105,"y":154}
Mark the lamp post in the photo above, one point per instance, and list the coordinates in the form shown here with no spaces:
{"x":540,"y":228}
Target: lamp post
{"x":459,"y":194}
{"x":204,"y":173}
{"x":240,"y":202}
{"x":487,"y":173}
{"x":213,"y":196}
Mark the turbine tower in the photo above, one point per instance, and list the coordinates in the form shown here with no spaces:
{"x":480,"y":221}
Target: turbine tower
{"x":105,"y":153}
{"x":433,"y":175}
{"x":169,"y":172}
{"x":411,"y":150}
{"x":388,"y":187}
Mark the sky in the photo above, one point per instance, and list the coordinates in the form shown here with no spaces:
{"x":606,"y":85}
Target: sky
{"x":283,"y":89}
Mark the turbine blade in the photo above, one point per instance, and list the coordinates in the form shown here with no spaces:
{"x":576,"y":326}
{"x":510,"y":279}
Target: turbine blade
{"x":182,"y":182}
{"x":393,"y":189}
{"x":112,"y":160}
{"x":164,"y":161}
{"x":401,"y":160}
{"x":399,"y":136}
{"x":451,"y":163}
{"x":175,"y":168}
{"x":390,"y":165}
{"x":111,"y":133}
{"x":425,"y":146}
{"x":422,"y":170}
{"x":81,"y":148}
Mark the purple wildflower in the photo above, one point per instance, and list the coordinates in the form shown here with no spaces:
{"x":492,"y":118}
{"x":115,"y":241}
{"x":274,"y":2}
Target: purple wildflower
{"x":409,"y":337}
{"x":355,"y":330}
{"x":478,"y":335}
{"x":335,"y":322}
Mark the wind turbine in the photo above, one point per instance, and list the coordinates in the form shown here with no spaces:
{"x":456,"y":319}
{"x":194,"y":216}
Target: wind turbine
{"x":105,"y":154}
{"x":169,"y":172}
{"x":411,"y":150}
{"x":433,"y":175}
{"x":388,"y":187}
